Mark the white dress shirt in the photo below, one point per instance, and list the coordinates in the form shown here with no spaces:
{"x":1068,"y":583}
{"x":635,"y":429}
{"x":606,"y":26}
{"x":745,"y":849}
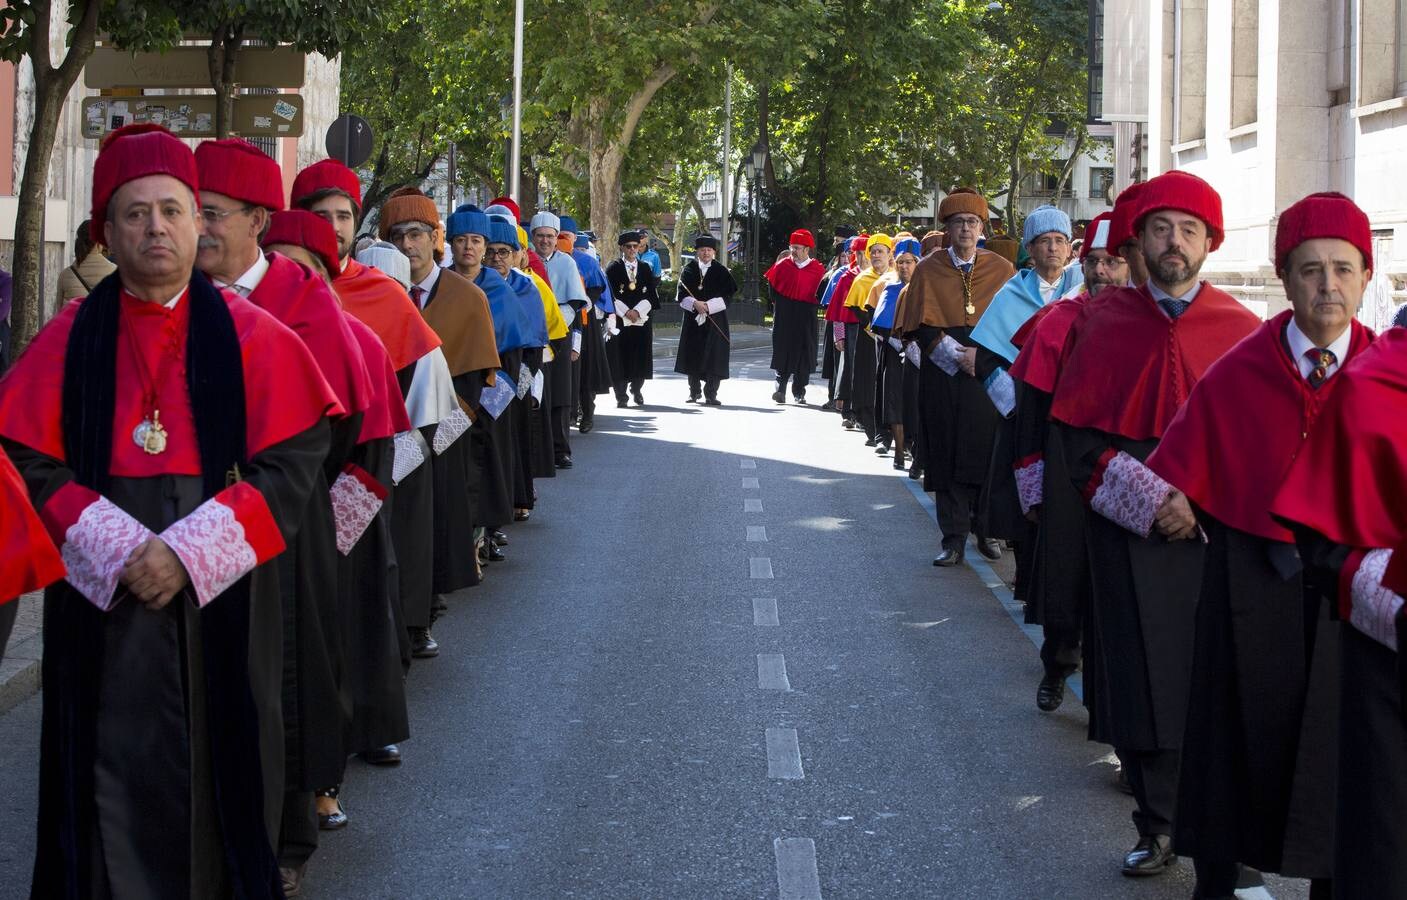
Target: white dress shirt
{"x":1301,"y":344}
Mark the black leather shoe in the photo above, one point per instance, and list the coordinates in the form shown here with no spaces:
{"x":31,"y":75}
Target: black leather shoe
{"x":800,"y":399}
{"x":389,"y":755}
{"x":848,"y":424}
{"x":639,"y":397}
{"x":522,"y":515}
{"x":587,"y":423}
{"x":439,"y":604}
{"x":292,"y":878}
{"x":882,"y":449}
{"x":564,"y":461}
{"x":915,"y":471}
{"x":829,"y":406}
{"x":495,"y":554}
{"x":499,"y":539}
{"x":779,"y":397}
{"x":899,"y":464}
{"x":1152,"y":855}
{"x":693,"y":398}
{"x":713,"y":401}
{"x":989,"y":548}
{"x":949,"y":557}
{"x":331,"y":821}
{"x":423,"y":644}
{"x":1050,"y":693}
{"x":621,"y":403}
{"x":871,"y":442}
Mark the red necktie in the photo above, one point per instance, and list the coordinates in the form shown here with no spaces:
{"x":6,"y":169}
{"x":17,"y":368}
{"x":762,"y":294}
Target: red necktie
{"x":1321,"y":360}
{"x":416,"y":293}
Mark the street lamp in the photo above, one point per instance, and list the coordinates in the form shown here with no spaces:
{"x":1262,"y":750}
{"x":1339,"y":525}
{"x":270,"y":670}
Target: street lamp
{"x":756,"y":167}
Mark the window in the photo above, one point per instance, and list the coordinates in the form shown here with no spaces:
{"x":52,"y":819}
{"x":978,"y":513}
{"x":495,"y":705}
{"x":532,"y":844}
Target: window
{"x":1190,"y":71}
{"x":1101,"y":183}
{"x":1245,"y":48}
{"x":1094,"y":97}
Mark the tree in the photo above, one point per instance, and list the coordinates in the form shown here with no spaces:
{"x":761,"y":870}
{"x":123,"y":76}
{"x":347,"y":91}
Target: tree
{"x":26,"y":28}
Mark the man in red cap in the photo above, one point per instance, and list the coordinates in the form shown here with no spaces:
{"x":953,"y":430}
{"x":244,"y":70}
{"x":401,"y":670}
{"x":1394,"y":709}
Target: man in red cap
{"x":1343,"y":499}
{"x":240,"y":188}
{"x":793,"y":281}
{"x":1058,"y":596}
{"x":331,"y":190}
{"x":171,"y":455}
{"x":1132,"y":358}
{"x":1258,"y":758}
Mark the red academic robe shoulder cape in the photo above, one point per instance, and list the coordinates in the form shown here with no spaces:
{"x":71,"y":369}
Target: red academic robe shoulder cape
{"x":1230,"y":445}
{"x":228,"y":535}
{"x":303,"y":301}
{"x":1130,"y":367}
{"x":1042,"y":341}
{"x":28,"y":558}
{"x":796,"y":282}
{"x":1349,"y":480}
{"x":538,"y":266}
{"x":379,"y":300}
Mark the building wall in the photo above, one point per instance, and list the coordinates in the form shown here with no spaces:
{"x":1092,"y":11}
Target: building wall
{"x":1270,"y":100}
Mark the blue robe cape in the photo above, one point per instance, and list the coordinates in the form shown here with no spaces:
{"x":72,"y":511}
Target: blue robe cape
{"x":534,"y":318}
{"x":512,"y":326}
{"x":564,"y":277}
{"x":594,"y":276}
{"x":834,"y":279}
{"x":888,"y":303}
{"x":1016,"y":302}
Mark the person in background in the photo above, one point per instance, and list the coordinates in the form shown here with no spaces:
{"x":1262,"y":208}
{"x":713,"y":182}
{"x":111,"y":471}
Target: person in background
{"x":647,"y":252}
{"x":90,"y":265}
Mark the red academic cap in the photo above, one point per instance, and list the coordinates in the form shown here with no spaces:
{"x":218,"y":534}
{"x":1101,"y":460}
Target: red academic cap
{"x":310,"y":231}
{"x":508,"y":202}
{"x":133,"y":152}
{"x":1121,"y":219}
{"x":325,"y":174}
{"x":236,"y":168}
{"x":1326,"y":215}
{"x":803,"y":237}
{"x":1097,"y":235}
{"x":1183,"y":192}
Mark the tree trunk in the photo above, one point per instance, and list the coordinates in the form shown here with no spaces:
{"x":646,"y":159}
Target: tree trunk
{"x":223,"y":53}
{"x":606,"y":160}
{"x":51,"y":86}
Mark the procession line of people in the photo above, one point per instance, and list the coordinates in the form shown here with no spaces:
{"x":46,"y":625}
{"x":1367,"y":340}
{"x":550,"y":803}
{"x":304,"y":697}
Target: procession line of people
{"x":1204,"y":508}
{"x":254,"y":467}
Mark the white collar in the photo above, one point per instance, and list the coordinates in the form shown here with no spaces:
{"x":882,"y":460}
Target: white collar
{"x":804,"y":263}
{"x":245,"y":284}
{"x":428,"y":285}
{"x":959,"y":263}
{"x":1300,"y":344}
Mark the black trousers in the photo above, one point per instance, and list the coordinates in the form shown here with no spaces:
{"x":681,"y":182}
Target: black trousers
{"x":708,"y":386}
{"x":799,"y":381}
{"x":636,"y":385}
{"x":561,"y":427}
{"x":957,"y":512}
{"x":4,"y":344}
{"x":1153,"y":776}
{"x":298,"y":834}
{"x":8,"y":612}
{"x":1060,"y":653}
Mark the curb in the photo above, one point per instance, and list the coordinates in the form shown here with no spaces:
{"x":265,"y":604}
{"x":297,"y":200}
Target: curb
{"x":19,"y":670}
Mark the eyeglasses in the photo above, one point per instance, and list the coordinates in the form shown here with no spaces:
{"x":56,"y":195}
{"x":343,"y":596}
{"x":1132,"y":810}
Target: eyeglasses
{"x":499,"y":251}
{"x":964,"y":222}
{"x":412,"y":231}
{"x":212,"y":215}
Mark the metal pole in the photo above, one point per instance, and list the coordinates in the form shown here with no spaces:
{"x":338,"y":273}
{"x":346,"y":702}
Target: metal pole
{"x":453,"y":175}
{"x":517,"y":164}
{"x":727,"y":158}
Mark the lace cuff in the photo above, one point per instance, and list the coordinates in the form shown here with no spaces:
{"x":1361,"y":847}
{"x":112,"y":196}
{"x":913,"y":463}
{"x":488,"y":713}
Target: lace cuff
{"x":356,"y":499}
{"x":1030,"y":481}
{"x":224,"y":539}
{"x":1126,"y":492}
{"x":450,"y":428}
{"x":94,"y":537}
{"x":1373,"y":608}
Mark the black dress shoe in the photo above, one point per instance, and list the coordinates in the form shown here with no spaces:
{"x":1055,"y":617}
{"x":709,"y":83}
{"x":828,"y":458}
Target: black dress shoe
{"x":389,"y":755}
{"x":639,"y":397}
{"x":949,"y":557}
{"x":779,"y":397}
{"x":915,"y":471}
{"x":495,"y":554}
{"x":439,"y":604}
{"x":847,"y":424}
{"x":422,"y":644}
{"x":693,"y":398}
{"x":871,"y":442}
{"x":621,"y":403}
{"x":587,"y":423}
{"x":564,"y":461}
{"x":882,"y":449}
{"x":1050,"y":693}
{"x":1150,"y":856}
{"x":292,"y":878}
{"x":828,"y":405}
{"x":522,"y":515}
{"x":989,"y":548}
{"x":331,"y":821}
{"x":899,"y":463}
{"x":499,"y":539}
{"x":800,"y":399}
{"x":713,"y":401}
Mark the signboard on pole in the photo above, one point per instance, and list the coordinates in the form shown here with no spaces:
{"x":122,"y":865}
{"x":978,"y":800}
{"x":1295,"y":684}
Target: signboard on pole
{"x":193,"y":115}
{"x":349,"y":140}
{"x":189,"y":67}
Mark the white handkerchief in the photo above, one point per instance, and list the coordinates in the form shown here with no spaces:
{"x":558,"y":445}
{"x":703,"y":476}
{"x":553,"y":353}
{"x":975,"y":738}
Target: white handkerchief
{"x":945,"y":356}
{"x":576,"y":341}
{"x":537,"y":386}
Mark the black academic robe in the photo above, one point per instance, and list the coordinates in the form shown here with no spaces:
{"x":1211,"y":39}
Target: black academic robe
{"x":958,"y":423}
{"x":864,"y":372}
{"x":704,"y":349}
{"x":632,"y":352}
{"x":793,"y":334}
{"x":374,"y":638}
{"x":1144,"y":601}
{"x":412,"y":521}
{"x":540,"y":453}
{"x":889,"y":385}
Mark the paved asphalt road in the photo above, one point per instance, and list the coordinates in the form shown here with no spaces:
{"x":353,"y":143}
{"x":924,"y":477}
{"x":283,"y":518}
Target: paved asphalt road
{"x":610,"y":716}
